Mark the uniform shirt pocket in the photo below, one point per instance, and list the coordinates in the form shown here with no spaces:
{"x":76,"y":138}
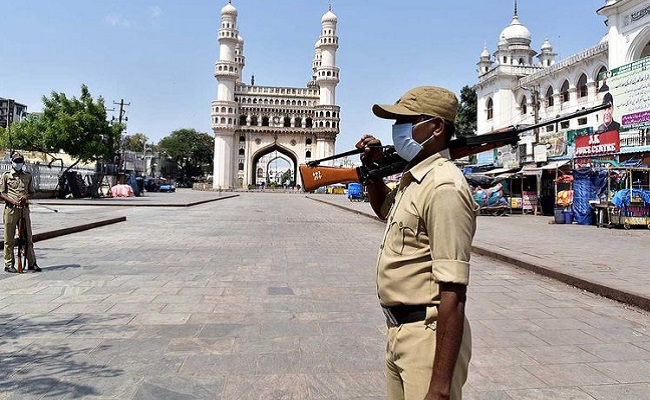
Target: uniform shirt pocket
{"x":403,"y":233}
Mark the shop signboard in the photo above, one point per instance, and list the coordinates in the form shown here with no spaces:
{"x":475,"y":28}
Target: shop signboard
{"x":629,"y":88}
{"x":596,"y":145}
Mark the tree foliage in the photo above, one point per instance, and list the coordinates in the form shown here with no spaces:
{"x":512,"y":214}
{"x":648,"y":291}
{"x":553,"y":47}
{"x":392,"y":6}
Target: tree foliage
{"x":192,"y":151}
{"x":466,"y":116}
{"x":76,"y":126}
{"x":136,"y":142}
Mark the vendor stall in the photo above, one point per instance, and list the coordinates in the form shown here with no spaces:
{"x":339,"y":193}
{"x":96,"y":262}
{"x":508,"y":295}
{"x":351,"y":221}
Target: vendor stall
{"x":627,"y":200}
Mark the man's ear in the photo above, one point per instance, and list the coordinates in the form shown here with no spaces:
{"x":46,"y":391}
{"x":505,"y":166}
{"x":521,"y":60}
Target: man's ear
{"x":439,"y":126}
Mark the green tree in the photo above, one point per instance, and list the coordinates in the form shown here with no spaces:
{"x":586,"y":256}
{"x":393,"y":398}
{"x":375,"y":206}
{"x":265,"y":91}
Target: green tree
{"x":286,"y":177}
{"x":136,"y":142}
{"x":192,"y":151}
{"x":466,"y":116}
{"x":76,"y":126}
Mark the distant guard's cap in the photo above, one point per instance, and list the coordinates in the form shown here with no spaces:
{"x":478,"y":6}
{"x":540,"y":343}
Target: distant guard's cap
{"x":422,"y":100}
{"x":17,"y":157}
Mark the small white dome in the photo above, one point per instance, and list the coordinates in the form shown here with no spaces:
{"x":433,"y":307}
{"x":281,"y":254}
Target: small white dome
{"x":546,"y":46}
{"x":516,"y":32}
{"x":240,"y":39}
{"x":329,"y":16}
{"x":605,"y":38}
{"x":485,"y":53}
{"x":229,"y":9}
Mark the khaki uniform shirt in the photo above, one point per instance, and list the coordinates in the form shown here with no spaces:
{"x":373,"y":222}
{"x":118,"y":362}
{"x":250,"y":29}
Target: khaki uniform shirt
{"x":429,"y":232}
{"x":16,"y":184}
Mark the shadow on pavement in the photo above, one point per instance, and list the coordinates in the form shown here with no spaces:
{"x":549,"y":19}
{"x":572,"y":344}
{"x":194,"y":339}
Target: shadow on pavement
{"x":34,"y":364}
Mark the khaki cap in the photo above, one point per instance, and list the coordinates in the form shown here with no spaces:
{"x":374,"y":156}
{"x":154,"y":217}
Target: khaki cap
{"x":422,"y":100}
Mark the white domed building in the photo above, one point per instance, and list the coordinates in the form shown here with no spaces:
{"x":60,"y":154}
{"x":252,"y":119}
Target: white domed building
{"x":513,"y":88}
{"x":255,"y":125}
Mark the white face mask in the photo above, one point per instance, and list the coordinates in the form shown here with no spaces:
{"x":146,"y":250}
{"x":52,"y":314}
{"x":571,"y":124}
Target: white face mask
{"x":405,"y":146}
{"x":17,"y":166}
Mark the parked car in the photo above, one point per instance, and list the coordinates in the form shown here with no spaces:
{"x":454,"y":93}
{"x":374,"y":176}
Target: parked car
{"x":167,"y":187}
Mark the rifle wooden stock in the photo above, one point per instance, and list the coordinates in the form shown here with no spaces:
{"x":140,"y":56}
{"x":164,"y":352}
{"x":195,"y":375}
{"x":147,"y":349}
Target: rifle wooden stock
{"x":318,"y":176}
{"x":22,"y":245}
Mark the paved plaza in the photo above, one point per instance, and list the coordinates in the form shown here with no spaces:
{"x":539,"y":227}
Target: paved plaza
{"x":272,"y":296}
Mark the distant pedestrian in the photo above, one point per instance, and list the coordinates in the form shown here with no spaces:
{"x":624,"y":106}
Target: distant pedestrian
{"x":423,"y":263}
{"x":16,"y":187}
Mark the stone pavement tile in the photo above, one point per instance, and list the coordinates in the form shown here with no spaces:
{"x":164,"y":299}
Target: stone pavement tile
{"x":471,"y":394}
{"x":203,"y":365}
{"x":560,"y":323}
{"x":88,"y":307}
{"x":152,"y":318}
{"x":104,"y":332}
{"x":138,"y":306}
{"x":32,"y":388}
{"x":636,"y":391}
{"x":565,"y":337}
{"x":231,"y":330}
{"x":221,"y":318}
{"x":185,"y":307}
{"x":191,"y":346}
{"x":274,"y":386}
{"x":347,"y":385}
{"x":197,"y":290}
{"x":266,"y":344}
{"x":625,"y":371}
{"x":9,"y":345}
{"x":178,"y":298}
{"x":616,"y":335}
{"x":187,"y":330}
{"x":492,"y":339}
{"x":343,"y":346}
{"x":293,"y":363}
{"x":93,"y":387}
{"x":559,"y":354}
{"x":489,"y":378}
{"x":31,"y":308}
{"x":555,"y":375}
{"x":508,"y":325}
{"x":550,"y":393}
{"x":501,"y":357}
{"x":170,"y":387}
{"x":274,"y":329}
{"x":151,"y":292}
{"x":617,"y":351}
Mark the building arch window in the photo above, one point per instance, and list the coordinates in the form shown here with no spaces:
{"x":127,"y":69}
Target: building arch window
{"x":582,"y":86}
{"x":242,"y":120}
{"x":240,"y":167}
{"x":308,"y":154}
{"x":490,"y":109}
{"x":327,"y":114}
{"x":308,"y":141}
{"x":298,"y":122}
{"x":241,"y":152}
{"x":242,"y":138}
{"x":333,"y":124}
{"x":523,"y":106}
{"x":254,"y":120}
{"x":265,"y":121}
{"x":309,"y":122}
{"x":600,"y":73}
{"x":223,"y":109}
{"x":327,"y":124}
{"x":521,"y":61}
{"x":260,"y":173}
{"x":564,"y":92}
{"x":287,"y":122}
{"x":223,"y":120}
{"x":549,"y":97}
{"x":229,"y":120}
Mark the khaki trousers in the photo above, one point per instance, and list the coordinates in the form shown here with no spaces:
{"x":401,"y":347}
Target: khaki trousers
{"x":11,"y":217}
{"x":410,"y":350}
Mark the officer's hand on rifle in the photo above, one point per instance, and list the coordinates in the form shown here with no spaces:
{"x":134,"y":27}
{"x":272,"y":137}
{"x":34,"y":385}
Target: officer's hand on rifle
{"x":373,"y":152}
{"x":22,"y":200}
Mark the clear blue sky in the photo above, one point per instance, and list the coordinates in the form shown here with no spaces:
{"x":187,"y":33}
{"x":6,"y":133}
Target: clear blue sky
{"x":159,"y":55}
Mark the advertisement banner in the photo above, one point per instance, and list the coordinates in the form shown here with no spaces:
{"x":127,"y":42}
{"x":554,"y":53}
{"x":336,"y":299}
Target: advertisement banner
{"x":628,"y":89}
{"x":597,"y":144}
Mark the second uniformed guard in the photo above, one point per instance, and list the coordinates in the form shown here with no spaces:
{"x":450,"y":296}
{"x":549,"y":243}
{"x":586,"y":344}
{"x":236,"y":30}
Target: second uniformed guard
{"x":16,"y":187}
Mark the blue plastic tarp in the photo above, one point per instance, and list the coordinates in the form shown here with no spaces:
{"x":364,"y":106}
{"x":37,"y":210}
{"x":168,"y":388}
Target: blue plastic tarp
{"x":622,"y":197}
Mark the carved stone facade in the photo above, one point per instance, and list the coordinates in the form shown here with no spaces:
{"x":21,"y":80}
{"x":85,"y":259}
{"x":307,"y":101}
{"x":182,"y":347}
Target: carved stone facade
{"x":251,"y":121}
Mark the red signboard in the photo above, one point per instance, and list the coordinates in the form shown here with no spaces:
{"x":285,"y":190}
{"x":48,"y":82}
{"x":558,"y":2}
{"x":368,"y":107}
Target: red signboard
{"x":597,"y":144}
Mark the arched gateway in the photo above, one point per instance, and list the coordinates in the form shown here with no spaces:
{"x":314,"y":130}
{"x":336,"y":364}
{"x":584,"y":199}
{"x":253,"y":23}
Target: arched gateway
{"x":250,"y":121}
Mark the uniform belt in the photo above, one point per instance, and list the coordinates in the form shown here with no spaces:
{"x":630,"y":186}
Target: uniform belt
{"x":404,"y":314}
{"x":10,"y":205}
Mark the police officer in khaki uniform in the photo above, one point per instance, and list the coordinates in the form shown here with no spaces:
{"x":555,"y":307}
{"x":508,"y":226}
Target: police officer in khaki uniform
{"x":423,"y":262}
{"x":16,"y":187}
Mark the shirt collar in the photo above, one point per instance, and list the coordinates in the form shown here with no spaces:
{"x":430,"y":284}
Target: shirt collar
{"x":421,"y":169}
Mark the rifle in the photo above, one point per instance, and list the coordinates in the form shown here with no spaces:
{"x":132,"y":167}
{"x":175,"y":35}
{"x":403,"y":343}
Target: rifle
{"x":21,"y":243}
{"x":314,"y":175}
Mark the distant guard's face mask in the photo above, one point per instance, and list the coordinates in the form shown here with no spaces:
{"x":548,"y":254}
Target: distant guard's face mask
{"x":17,"y":165}
{"x":405,"y":146}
